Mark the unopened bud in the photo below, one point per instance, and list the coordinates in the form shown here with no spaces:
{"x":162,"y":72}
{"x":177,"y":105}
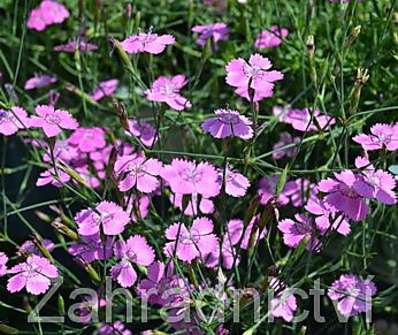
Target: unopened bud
{"x":352,"y":37}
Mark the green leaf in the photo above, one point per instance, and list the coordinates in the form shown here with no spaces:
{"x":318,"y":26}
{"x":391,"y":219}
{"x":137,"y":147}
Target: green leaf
{"x":4,"y":329}
{"x":282,"y":180}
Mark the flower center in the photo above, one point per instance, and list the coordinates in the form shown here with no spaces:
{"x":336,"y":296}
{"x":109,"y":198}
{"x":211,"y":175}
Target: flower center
{"x":51,"y":118}
{"x":229,"y":119}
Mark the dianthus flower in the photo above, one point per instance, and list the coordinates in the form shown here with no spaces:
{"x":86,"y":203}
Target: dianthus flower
{"x":143,"y":131}
{"x":382,"y":136}
{"x":187,"y":177}
{"x":74,"y":45}
{"x":236,"y":184}
{"x":88,"y":139}
{"x":147,"y":42}
{"x":63,"y":150}
{"x":167,"y":89}
{"x":285,"y":139}
{"x":12,"y":120}
{"x":135,"y":250}
{"x":35,"y":274}
{"x":191,"y":243}
{"x":271,"y":38}
{"x":284,"y":304}
{"x":104,"y":89}
{"x":118,"y":327}
{"x":54,"y":177}
{"x":107,"y":215}
{"x":3,"y":264}
{"x":138,"y":206}
{"x":47,"y":13}
{"x":300,"y":229}
{"x":300,"y":119}
{"x":252,"y":233}
{"x":30,"y":247}
{"x":52,"y":121}
{"x":346,"y":193}
{"x":90,"y":248}
{"x":215,"y":31}
{"x":193,"y":208}
{"x":39,"y":81}
{"x":255,"y":75}
{"x":228,"y":123}
{"x":139,"y":172}
{"x":352,"y":294}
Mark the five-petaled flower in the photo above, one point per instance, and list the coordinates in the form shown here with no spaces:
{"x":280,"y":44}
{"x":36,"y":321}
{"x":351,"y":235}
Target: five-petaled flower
{"x":382,"y":136}
{"x":12,"y":120}
{"x":147,"y":42}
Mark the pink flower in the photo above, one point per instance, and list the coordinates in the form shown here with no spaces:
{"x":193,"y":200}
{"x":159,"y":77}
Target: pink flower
{"x":254,"y":75}
{"x":107,"y":215}
{"x":143,"y":131}
{"x":74,"y":45}
{"x":35,"y":274}
{"x":47,"y":13}
{"x":302,"y":229}
{"x":353,"y":294}
{"x":118,"y":327}
{"x":90,"y":248}
{"x":52,"y":121}
{"x":40,"y":81}
{"x":167,"y":89}
{"x":346,"y":193}
{"x":63,"y":150}
{"x":104,"y":89}
{"x":56,"y":178}
{"x":138,"y":171}
{"x":88,"y":139}
{"x":236,"y":184}
{"x":12,"y":120}
{"x":30,"y":247}
{"x":228,"y":123}
{"x":138,"y":206}
{"x":285,"y":139}
{"x":215,"y":31}
{"x":135,"y":250}
{"x":284,"y":304}
{"x":187,"y":177}
{"x":252,"y":233}
{"x":192,"y":243}
{"x":300,"y":119}
{"x":193,"y":208}
{"x":326,"y":217}
{"x":3,"y":264}
{"x":147,"y":42}
{"x":382,"y":136}
{"x":271,"y":38}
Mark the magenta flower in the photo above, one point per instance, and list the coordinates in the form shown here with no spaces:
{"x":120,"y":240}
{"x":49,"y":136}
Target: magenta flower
{"x":271,"y":38}
{"x":135,"y":250}
{"x":192,"y":243}
{"x":88,"y":139}
{"x":12,"y":120}
{"x":215,"y":31}
{"x":326,"y":217}
{"x":35,"y":274}
{"x":187,"y":177}
{"x":138,"y":206}
{"x":147,"y":42}
{"x":255,"y":75}
{"x":382,"y":136}
{"x":78,"y":44}
{"x":118,"y":327}
{"x":39,"y":81}
{"x":300,"y":119}
{"x":52,"y":121}
{"x":138,"y":171}
{"x":167,"y":89}
{"x":228,"y":123}
{"x":107,"y":215}
{"x":236,"y":184}
{"x":346,"y":193}
{"x":143,"y":131}
{"x":302,"y":229}
{"x":63,"y":150}
{"x":252,"y":234}
{"x":352,"y":294}
{"x":47,"y":13}
{"x":205,"y":206}
{"x":30,"y":247}
{"x":91,"y":248}
{"x":285,"y":139}
{"x":104,"y":89}
{"x":54,"y":177}
{"x":3,"y":264}
{"x":284,"y":304}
